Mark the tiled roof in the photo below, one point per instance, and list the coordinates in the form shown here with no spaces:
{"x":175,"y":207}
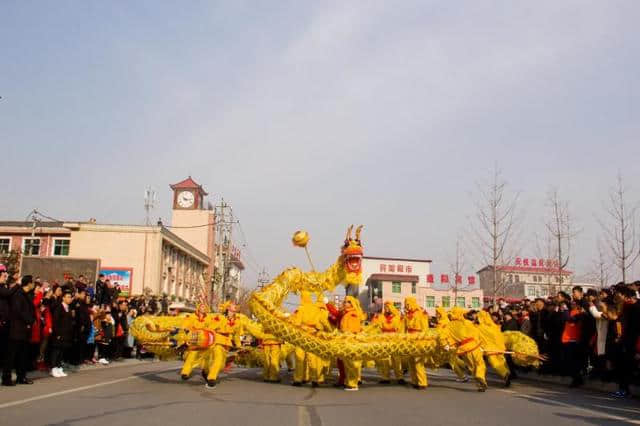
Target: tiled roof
{"x":188,"y":183}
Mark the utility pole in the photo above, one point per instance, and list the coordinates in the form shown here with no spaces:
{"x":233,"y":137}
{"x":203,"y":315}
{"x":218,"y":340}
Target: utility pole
{"x":149,"y":203}
{"x":224,"y":227}
{"x":263,"y":278}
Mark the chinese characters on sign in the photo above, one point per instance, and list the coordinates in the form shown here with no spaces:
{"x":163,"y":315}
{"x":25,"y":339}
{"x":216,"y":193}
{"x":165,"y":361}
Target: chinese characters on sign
{"x":407,"y":269}
{"x":536,"y":263}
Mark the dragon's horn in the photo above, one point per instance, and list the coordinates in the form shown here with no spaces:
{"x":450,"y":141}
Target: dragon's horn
{"x":358,"y":230}
{"x":349,"y":233}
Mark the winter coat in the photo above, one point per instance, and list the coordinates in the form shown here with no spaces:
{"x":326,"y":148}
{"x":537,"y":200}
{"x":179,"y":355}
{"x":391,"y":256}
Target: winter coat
{"x":63,"y":324}
{"x":82,"y":320}
{"x":120,"y":321}
{"x":5,"y":301}
{"x":22,"y":316}
{"x":100,"y":287}
{"x":36,"y":329}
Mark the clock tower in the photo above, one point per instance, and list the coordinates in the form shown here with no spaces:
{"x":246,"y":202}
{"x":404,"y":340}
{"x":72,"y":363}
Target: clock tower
{"x":190,"y":220}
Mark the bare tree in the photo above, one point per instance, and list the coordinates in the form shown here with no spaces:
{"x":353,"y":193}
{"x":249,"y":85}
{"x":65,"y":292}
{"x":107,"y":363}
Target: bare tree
{"x":620,"y":230}
{"x":457,"y":266}
{"x":601,"y":267}
{"x":494,"y":225}
{"x":546,"y":250}
{"x":558,"y":225}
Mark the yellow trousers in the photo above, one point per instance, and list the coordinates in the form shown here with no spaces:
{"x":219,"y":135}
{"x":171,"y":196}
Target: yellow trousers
{"x":475,"y":363}
{"x":308,"y":367}
{"x":192,"y":360}
{"x":499,"y":363}
{"x":387,"y":364}
{"x":218,"y":359}
{"x":353,"y":372}
{"x":418,"y":372}
{"x":457,"y":365}
{"x":271,"y":368}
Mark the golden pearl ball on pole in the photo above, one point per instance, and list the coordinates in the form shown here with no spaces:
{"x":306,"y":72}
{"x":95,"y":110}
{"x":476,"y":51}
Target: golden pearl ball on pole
{"x":300,"y":238}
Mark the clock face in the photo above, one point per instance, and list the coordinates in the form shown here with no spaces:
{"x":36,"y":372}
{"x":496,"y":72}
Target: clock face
{"x":185,"y":199}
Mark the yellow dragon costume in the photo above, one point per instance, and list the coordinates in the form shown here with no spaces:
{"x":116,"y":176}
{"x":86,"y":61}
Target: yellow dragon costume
{"x":166,"y":337}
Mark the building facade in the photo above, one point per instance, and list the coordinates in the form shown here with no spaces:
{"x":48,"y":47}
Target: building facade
{"x":525,"y":279}
{"x":394,"y":279}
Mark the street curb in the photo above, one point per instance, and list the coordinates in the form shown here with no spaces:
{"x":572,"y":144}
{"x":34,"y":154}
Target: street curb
{"x":125,"y":363}
{"x":595,"y":385}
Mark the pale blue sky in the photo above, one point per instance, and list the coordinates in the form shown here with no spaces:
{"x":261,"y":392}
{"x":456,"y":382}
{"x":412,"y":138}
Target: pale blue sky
{"x":319,"y":115}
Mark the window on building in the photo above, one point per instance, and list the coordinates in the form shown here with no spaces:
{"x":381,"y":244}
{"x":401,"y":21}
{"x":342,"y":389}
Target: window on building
{"x":31,"y":246}
{"x":430,"y":301}
{"x":61,"y":247}
{"x":460,"y":302}
{"x":446,"y":301}
{"x":396,"y":287}
{"x":531,"y":291}
{"x":517,"y":277}
{"x":544,"y":291}
{"x":398,"y":305}
{"x":535,"y":278}
{"x":413,"y":288}
{"x":475,"y":302}
{"x":5,"y":245}
{"x":510,"y":278}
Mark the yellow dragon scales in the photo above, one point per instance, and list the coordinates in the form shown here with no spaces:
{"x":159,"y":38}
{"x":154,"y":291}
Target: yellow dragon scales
{"x":266,"y":305}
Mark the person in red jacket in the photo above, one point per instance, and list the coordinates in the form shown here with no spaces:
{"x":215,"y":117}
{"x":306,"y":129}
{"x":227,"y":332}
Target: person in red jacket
{"x":36,"y":328}
{"x":46,"y":307}
{"x":335,"y":315}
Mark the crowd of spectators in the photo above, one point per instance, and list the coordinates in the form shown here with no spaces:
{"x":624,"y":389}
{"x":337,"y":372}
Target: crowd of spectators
{"x":53,"y":327}
{"x":594,"y":334}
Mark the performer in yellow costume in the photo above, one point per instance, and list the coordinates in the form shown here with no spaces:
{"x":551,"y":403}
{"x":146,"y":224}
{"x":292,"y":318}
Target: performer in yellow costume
{"x":310,"y":318}
{"x":493,"y":345}
{"x":463,"y":336}
{"x":271,"y":368}
{"x":227,"y":335}
{"x":325,"y":363}
{"x":351,"y":322}
{"x":195,"y":357}
{"x":456,"y":364}
{"x":416,"y":321}
{"x":389,"y":321}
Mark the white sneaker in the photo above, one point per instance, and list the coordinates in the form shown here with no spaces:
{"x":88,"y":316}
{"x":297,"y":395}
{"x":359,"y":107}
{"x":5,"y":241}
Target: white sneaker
{"x":56,"y":372}
{"x":61,"y":372}
{"x":103,"y":361}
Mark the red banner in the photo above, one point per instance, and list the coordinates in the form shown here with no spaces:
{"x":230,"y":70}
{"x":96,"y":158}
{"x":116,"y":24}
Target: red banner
{"x":471,"y":279}
{"x":444,"y":279}
{"x":458,"y":279}
{"x":430,"y":278}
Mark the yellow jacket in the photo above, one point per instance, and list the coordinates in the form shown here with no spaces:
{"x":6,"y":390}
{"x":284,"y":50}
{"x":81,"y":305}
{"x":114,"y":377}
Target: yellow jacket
{"x":491,"y":336}
{"x":388,"y":323}
{"x":462,"y":333}
{"x":309,"y":316}
{"x":351,"y":321}
{"x":415,"y":319}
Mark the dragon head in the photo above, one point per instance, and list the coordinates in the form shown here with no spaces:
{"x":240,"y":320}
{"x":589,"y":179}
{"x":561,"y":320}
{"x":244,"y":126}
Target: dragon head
{"x":352,"y":257}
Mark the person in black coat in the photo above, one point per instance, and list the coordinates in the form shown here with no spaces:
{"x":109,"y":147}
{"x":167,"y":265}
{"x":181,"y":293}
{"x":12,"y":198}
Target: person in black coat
{"x":82,"y":325}
{"x":5,"y":296}
{"x":21,"y":319}
{"x":100,"y":286}
{"x":61,"y":338}
{"x":121,"y":328}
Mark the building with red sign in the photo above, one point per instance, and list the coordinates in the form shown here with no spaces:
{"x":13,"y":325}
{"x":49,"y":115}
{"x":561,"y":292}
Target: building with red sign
{"x":394,"y":279}
{"x":527,"y":278}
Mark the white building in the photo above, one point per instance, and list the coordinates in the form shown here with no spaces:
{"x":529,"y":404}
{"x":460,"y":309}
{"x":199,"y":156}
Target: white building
{"x":394,"y":279}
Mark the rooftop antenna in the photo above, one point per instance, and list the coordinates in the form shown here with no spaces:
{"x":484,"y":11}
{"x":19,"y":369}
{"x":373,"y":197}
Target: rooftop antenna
{"x":150,"y":200}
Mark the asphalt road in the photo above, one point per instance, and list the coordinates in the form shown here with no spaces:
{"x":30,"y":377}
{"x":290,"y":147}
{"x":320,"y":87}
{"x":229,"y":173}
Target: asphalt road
{"x":148,"y":393}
